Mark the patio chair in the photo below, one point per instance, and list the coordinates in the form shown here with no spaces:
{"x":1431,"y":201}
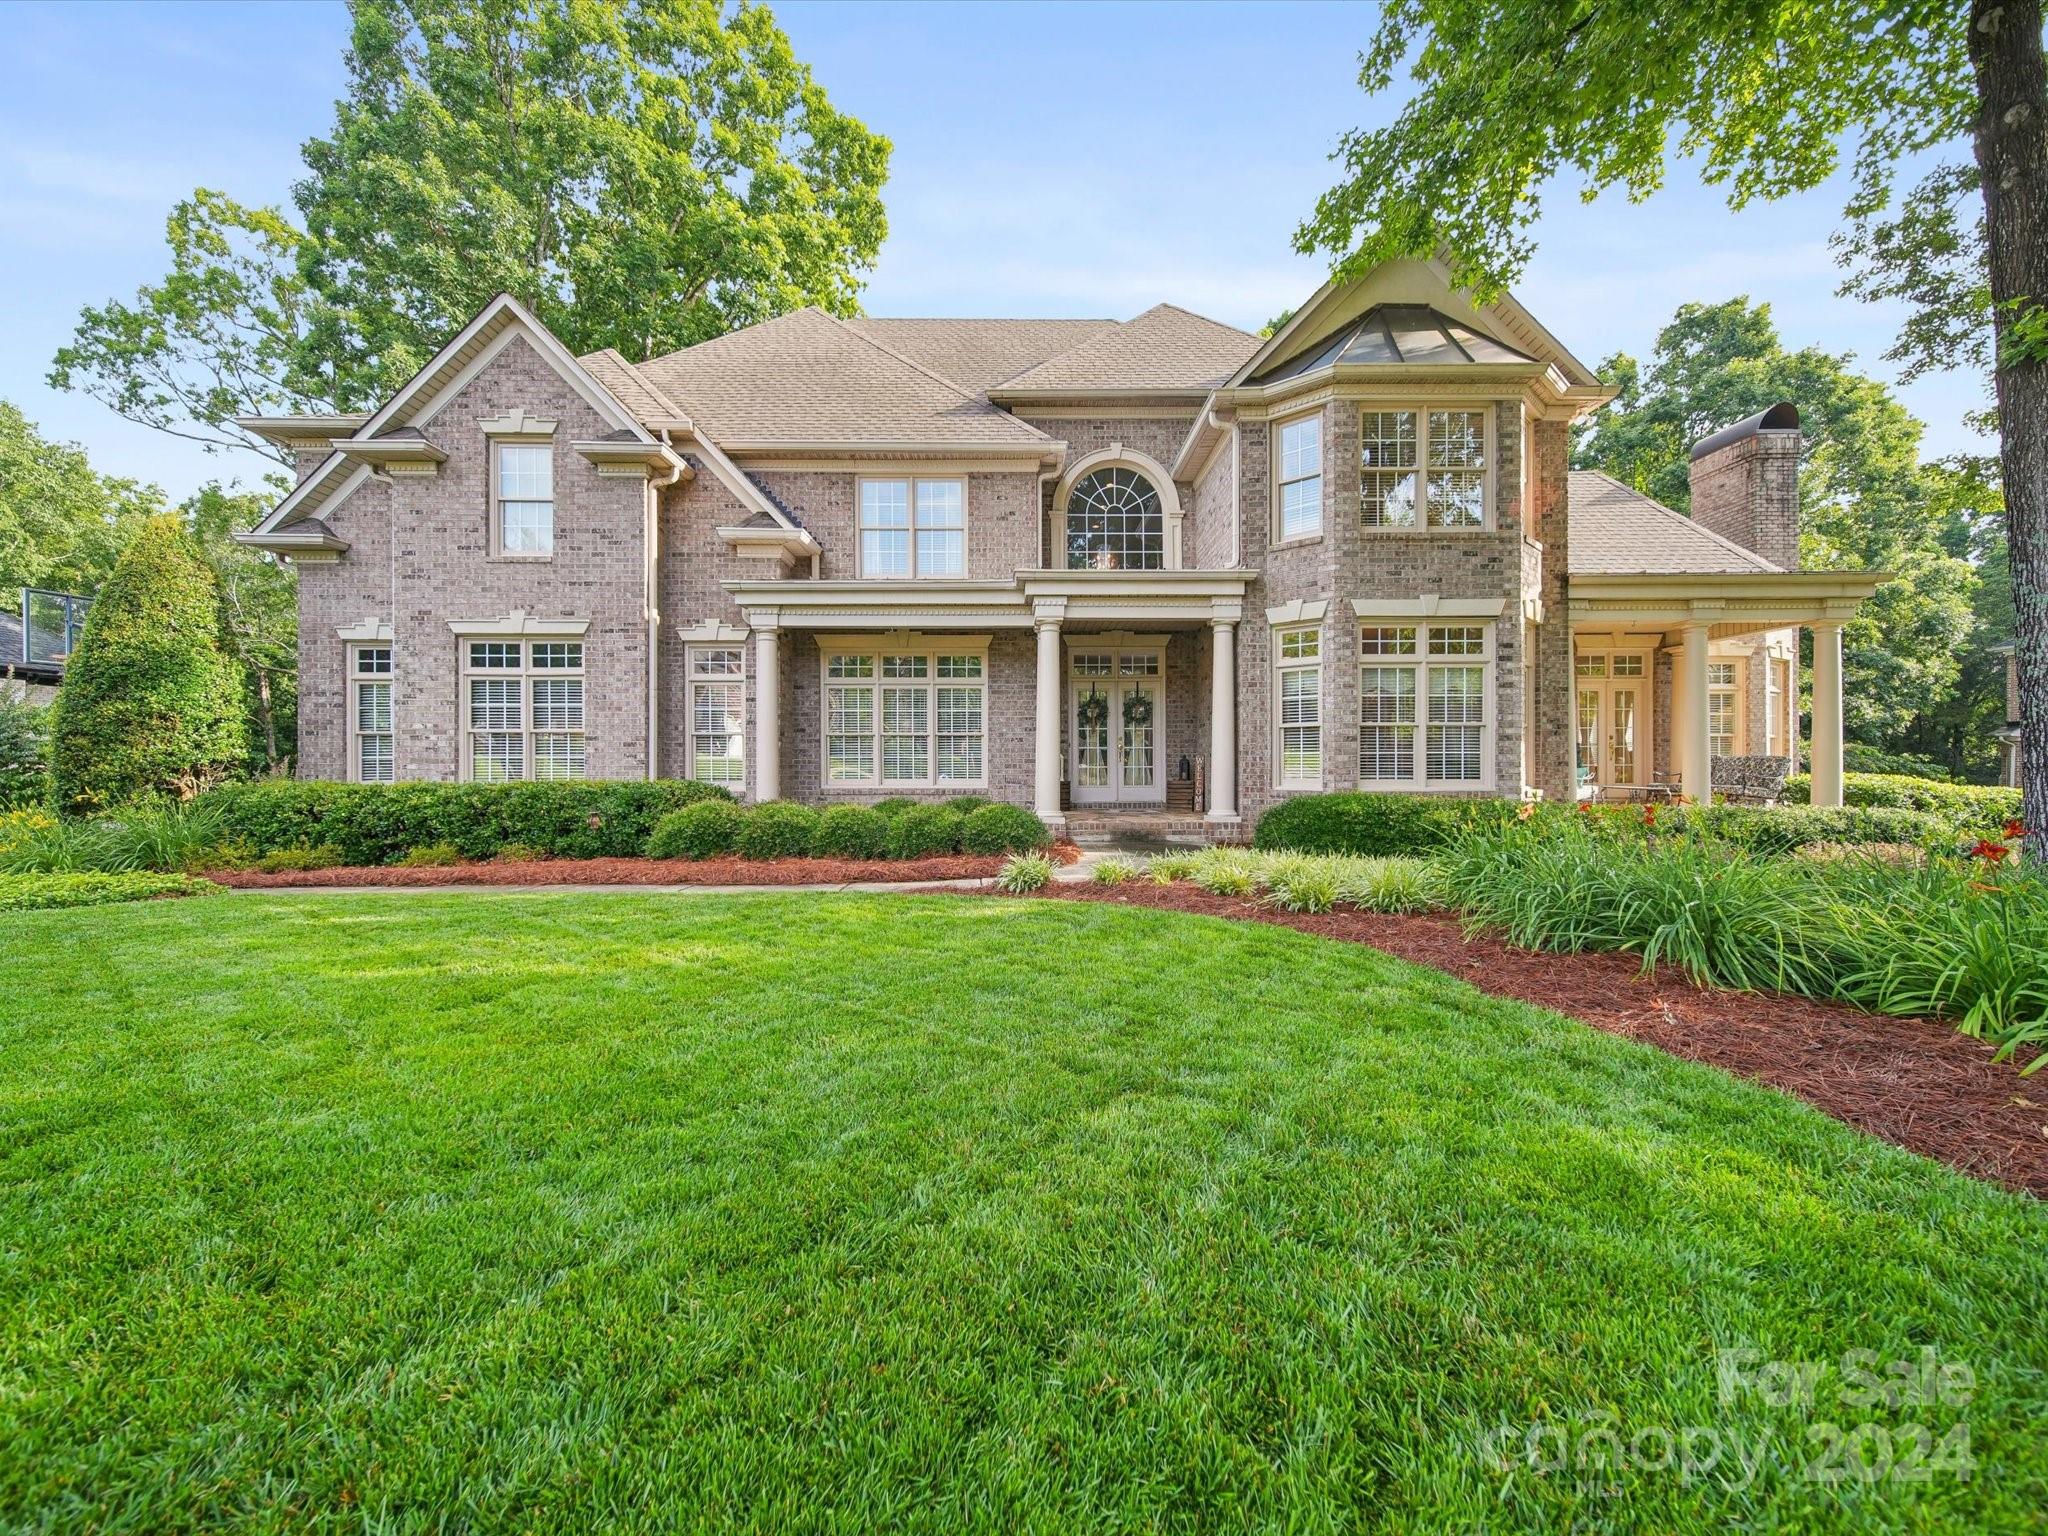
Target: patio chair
{"x":1756,"y":780}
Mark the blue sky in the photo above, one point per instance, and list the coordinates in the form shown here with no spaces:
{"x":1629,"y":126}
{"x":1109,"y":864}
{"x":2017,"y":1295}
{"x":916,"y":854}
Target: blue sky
{"x":1050,"y":159}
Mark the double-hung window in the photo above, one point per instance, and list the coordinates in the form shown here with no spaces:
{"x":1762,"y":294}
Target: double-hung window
{"x":1722,"y":712}
{"x":372,"y":757}
{"x":905,"y":717}
{"x":1300,"y":480}
{"x":913,"y":528}
{"x":1298,"y":655}
{"x":1426,"y":464}
{"x":1425,"y":705}
{"x":523,"y":708}
{"x":523,"y":498}
{"x":718,"y":713}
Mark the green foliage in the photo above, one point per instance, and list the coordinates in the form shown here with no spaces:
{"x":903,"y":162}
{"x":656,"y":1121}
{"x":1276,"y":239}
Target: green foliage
{"x":154,"y":836}
{"x":1115,"y":872}
{"x":1002,"y":829}
{"x":925,"y":831}
{"x":62,"y":525}
{"x":1024,"y":873}
{"x":259,"y":611}
{"x":1961,"y":807}
{"x":701,"y":831}
{"x":31,"y":893}
{"x":149,"y":706}
{"x":429,"y":856}
{"x":852,"y":832}
{"x":284,"y":860}
{"x":1860,"y":758}
{"x":1298,"y":882}
{"x":777,"y":829}
{"x":895,"y":805}
{"x":1374,"y":824}
{"x":375,"y":823}
{"x":966,"y":805}
{"x":24,"y":754}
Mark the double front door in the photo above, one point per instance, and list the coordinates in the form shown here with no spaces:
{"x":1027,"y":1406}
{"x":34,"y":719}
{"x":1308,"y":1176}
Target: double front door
{"x":1116,"y":725}
{"x":1613,"y":696}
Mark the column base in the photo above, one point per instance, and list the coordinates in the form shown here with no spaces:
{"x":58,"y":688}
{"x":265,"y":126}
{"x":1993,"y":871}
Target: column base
{"x":1223,"y":818}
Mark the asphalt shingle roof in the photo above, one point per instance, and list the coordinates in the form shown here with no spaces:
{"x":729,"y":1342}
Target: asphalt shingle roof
{"x":1616,"y":531}
{"x":1165,"y":348}
{"x":978,"y":354}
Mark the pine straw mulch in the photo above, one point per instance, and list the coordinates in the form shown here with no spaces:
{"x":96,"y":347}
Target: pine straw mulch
{"x":1914,"y":1082}
{"x":722,"y":871}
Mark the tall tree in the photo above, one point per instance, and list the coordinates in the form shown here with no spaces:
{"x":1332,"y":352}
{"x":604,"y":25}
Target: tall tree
{"x":1766,"y":96}
{"x":259,"y":617}
{"x":644,"y":175}
{"x":61,"y":523}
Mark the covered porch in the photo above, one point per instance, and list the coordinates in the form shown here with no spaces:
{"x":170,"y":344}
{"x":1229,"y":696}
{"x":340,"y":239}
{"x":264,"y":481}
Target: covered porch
{"x":1673,"y":673}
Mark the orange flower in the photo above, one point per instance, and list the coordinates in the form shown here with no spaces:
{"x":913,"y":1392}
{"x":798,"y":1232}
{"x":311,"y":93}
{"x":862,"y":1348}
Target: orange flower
{"x":1650,"y":814}
{"x":1989,"y":851}
{"x":1528,"y":809}
{"x":2014,"y":828}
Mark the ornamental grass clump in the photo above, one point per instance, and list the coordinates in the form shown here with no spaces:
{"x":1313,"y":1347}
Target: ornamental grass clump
{"x":1025,"y":873}
{"x":1116,"y":872}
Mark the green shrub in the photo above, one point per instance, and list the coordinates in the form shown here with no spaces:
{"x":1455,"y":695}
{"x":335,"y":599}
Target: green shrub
{"x":852,"y":832}
{"x":1964,"y":807}
{"x":701,"y":831}
{"x":1363,"y":823}
{"x":154,"y":836}
{"x":24,"y":754}
{"x":1026,"y":872}
{"x":1858,"y":758}
{"x":894,"y":806}
{"x":375,"y":823}
{"x":1169,"y":867}
{"x":966,"y":805}
{"x":1769,"y":830}
{"x":18,"y":824}
{"x":284,"y":860}
{"x":1003,"y":829}
{"x":778,"y":829}
{"x":430,"y":856}
{"x":925,"y":831}
{"x":1115,"y":872}
{"x":150,"y":704}
{"x":29,"y":893}
{"x":521,"y":853}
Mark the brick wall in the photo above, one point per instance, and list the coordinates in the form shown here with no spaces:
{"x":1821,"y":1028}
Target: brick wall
{"x":1002,"y":520}
{"x":1748,"y":492}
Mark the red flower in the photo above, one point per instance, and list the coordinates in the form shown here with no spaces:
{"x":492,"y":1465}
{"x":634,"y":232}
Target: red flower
{"x":1650,"y":814}
{"x":1989,"y":851}
{"x":2014,"y":828}
{"x":1527,"y":810}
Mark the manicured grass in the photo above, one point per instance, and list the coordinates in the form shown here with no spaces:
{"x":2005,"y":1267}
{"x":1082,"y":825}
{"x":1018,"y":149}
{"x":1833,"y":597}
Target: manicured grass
{"x":543,"y":1212}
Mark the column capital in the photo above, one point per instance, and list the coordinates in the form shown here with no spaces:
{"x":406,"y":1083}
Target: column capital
{"x":1048,"y":612}
{"x":1225,"y":611}
{"x":764,"y":620}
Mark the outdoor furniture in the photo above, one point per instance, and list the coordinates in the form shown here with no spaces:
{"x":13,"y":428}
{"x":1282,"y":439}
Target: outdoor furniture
{"x":1757,"y":780}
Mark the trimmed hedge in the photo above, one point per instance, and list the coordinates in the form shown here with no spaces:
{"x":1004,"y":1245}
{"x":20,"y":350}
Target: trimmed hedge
{"x":852,"y":832}
{"x":35,"y":893}
{"x":1375,"y":825}
{"x":700,"y":831}
{"x":777,"y":829}
{"x":376,"y":823}
{"x":925,"y":831}
{"x":1780,"y":829}
{"x":894,"y":806}
{"x":1002,"y":829}
{"x":966,"y":805}
{"x":1971,"y":807}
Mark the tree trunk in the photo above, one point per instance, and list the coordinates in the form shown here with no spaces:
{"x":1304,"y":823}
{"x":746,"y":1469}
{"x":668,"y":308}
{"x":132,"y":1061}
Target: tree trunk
{"x":2012,"y":154}
{"x":267,"y":716}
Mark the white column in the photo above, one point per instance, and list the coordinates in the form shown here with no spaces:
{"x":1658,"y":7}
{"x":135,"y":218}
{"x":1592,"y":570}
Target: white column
{"x":1223,"y":718}
{"x":767,"y":712}
{"x":1046,"y":762}
{"x":1827,"y":713}
{"x":1696,"y":761}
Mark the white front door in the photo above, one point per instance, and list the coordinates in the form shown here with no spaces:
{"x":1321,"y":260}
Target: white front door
{"x":1613,"y":720}
{"x":1116,"y":726}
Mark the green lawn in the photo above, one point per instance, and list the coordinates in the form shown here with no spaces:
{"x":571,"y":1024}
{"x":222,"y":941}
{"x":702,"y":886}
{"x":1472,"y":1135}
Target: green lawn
{"x":543,"y":1212}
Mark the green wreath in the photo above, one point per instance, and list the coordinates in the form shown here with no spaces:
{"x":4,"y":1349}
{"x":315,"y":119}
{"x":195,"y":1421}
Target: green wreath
{"x":1093,"y":711}
{"x":1137,"y":711}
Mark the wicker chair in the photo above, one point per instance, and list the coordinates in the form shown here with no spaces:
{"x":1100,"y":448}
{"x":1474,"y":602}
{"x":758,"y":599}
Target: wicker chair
{"x":1751,"y":780}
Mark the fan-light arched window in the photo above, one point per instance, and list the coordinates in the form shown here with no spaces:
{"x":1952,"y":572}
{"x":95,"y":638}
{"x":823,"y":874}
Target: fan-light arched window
{"x":1115,"y":522}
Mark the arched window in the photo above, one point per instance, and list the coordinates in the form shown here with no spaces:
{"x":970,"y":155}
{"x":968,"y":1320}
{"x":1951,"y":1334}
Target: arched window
{"x":1114,"y":522}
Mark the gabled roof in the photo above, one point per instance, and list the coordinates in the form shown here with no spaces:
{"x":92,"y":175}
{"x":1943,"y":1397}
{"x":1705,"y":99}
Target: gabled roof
{"x":635,"y":391}
{"x":1397,"y":335}
{"x":1616,"y":531}
{"x":976,"y":354}
{"x":806,"y":379}
{"x":1166,"y":350}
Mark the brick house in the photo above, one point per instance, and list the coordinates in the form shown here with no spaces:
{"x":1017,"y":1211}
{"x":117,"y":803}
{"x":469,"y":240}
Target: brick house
{"x":1158,"y":568}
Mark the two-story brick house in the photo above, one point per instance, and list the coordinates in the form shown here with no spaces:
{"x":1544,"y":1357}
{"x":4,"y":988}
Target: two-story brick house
{"x":1087,"y":566}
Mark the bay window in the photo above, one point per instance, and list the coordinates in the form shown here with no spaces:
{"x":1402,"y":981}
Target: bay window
{"x":372,"y":758}
{"x":1298,"y":715}
{"x":1429,"y":465}
{"x":1426,"y":681}
{"x":913,"y":528}
{"x":904,"y":717}
{"x":523,"y":709}
{"x":1300,"y":478}
{"x":718,"y":713}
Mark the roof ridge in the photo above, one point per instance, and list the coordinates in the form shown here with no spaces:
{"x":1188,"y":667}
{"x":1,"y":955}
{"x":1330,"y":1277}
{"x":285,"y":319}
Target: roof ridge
{"x":999,"y":319}
{"x":1195,"y":314}
{"x":722,"y":336}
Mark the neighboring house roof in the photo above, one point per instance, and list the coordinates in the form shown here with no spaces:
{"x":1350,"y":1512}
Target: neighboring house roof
{"x":1616,"y":531}
{"x":806,"y":378}
{"x":1400,"y":334}
{"x":1165,"y":350}
{"x":977,"y":354}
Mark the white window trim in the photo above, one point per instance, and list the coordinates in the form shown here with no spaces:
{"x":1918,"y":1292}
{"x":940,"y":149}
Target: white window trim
{"x":1738,"y":693}
{"x":1489,"y":475}
{"x":1281,"y":539}
{"x":525,"y":674}
{"x":931,"y":647}
{"x":1423,"y":663}
{"x":1642,"y":647}
{"x":356,"y":680}
{"x":691,"y":682}
{"x":911,"y":479}
{"x":1282,"y":665}
{"x":494,"y":511}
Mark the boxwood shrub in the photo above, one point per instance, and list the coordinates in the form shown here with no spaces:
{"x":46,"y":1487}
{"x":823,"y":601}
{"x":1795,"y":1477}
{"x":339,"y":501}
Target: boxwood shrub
{"x":966,"y":805}
{"x":1002,"y":829}
{"x":925,"y":831}
{"x":1965,"y":807}
{"x":777,"y":829}
{"x":375,"y":823}
{"x":895,"y":805}
{"x":1375,"y":825}
{"x":700,"y":831}
{"x":852,"y":832}
{"x":1782,"y":828}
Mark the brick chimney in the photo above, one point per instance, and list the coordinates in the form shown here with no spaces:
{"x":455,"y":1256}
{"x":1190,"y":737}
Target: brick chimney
{"x":1745,"y":484}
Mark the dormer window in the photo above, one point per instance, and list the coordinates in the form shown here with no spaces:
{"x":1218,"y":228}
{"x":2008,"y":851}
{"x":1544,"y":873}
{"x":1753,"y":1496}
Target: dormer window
{"x":523,"y":499}
{"x":1435,"y":461}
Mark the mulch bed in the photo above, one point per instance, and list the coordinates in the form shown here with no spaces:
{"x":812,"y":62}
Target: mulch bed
{"x":726,"y":871}
{"x":1914,"y":1082}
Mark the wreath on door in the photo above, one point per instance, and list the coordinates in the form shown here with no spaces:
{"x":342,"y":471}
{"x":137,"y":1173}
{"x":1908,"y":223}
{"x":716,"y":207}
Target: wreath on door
{"x":1092,"y":711}
{"x":1137,"y":711}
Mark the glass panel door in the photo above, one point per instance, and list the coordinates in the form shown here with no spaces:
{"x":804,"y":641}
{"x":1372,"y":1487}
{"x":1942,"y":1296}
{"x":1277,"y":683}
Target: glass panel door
{"x":1589,"y":736}
{"x":1621,"y":735}
{"x":1114,"y":725}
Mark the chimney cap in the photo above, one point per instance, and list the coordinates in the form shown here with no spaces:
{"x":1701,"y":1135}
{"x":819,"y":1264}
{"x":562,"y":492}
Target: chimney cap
{"x":1782,"y":417}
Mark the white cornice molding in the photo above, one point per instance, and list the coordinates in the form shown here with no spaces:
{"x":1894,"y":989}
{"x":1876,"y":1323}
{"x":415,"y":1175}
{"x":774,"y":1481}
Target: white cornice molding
{"x":1429,"y":606}
{"x":904,"y":639}
{"x":711,"y":634}
{"x":367,"y":631}
{"x":518,"y":622}
{"x":634,"y":460}
{"x":516,"y":423}
{"x":785,"y":545}
{"x":1300,"y":611}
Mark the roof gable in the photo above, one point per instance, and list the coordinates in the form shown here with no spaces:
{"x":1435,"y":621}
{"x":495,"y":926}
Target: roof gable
{"x":1166,"y":350}
{"x":1399,"y":335}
